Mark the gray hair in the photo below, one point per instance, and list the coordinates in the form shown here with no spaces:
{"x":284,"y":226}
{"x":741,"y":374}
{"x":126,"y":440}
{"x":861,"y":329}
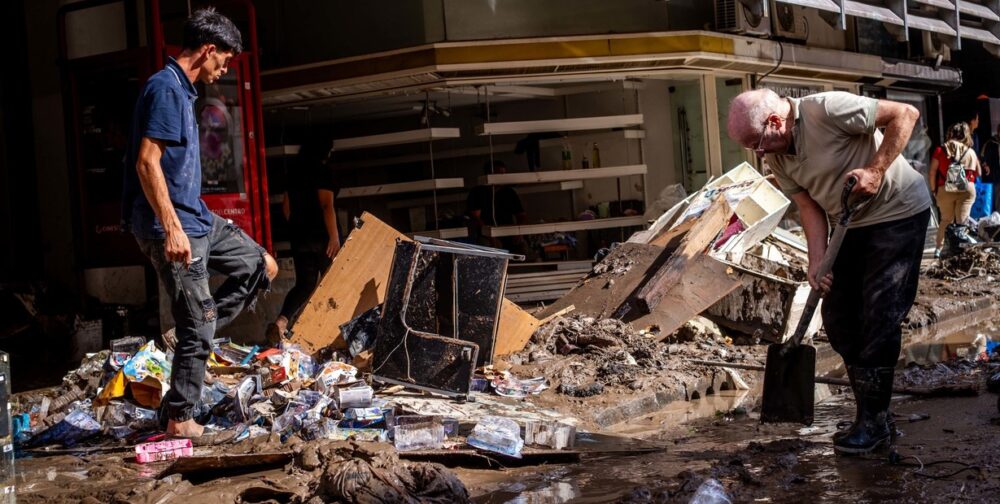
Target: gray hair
{"x":747,"y":113}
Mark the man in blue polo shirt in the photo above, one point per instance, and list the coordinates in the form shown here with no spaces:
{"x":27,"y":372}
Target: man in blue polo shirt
{"x":162,"y":206}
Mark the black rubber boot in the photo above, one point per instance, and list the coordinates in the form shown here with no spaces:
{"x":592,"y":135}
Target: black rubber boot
{"x":857,"y":405}
{"x":873,"y":388}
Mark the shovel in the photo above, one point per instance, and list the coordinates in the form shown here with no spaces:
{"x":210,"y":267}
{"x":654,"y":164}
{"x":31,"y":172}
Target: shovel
{"x":790,"y":369}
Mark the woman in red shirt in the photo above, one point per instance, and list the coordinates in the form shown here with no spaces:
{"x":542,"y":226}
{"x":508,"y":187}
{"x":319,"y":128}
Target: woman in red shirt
{"x":954,"y":206}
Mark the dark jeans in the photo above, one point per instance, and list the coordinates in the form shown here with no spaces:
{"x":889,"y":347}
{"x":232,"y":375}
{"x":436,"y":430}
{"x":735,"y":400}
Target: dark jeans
{"x":310,"y":264}
{"x":226,"y":251}
{"x":874,"y":285}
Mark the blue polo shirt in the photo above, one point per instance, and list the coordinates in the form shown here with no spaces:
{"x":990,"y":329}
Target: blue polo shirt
{"x":165,"y":111}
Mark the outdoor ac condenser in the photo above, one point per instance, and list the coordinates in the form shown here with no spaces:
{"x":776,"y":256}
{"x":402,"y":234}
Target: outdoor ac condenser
{"x":745,"y":17}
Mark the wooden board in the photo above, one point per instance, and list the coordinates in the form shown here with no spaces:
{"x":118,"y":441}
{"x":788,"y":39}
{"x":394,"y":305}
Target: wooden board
{"x":356,"y":282}
{"x":514,"y":330}
{"x":704,"y":282}
{"x":700,"y":237}
{"x":562,"y":227}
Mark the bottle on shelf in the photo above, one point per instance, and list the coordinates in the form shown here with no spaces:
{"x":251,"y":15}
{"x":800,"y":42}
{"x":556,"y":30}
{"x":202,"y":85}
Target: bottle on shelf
{"x":567,"y":157}
{"x":595,"y":156}
{"x":584,"y":163}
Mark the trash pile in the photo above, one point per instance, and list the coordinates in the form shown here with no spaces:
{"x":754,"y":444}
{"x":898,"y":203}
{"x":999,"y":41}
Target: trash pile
{"x":583,"y":356}
{"x":114,"y":398}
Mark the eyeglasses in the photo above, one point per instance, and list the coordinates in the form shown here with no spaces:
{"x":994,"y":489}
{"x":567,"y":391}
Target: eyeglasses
{"x":759,"y":149}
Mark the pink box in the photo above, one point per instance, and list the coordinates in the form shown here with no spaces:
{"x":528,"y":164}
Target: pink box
{"x":163,"y":450}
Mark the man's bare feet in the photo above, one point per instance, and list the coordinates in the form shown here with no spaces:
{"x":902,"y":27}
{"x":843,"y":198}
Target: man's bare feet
{"x":186,"y":429}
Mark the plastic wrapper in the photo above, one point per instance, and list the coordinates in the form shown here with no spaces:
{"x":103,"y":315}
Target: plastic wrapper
{"x":497,"y":434}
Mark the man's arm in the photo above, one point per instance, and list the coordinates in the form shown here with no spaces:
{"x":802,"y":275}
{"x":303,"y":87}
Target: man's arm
{"x":898,"y":120}
{"x":817,"y":229}
{"x":177,"y":247}
{"x":330,"y":220}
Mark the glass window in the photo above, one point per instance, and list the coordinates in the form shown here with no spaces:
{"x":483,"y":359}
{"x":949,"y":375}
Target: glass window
{"x":726,"y":88}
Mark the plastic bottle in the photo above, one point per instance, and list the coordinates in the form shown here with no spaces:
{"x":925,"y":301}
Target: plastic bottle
{"x":595,"y":156}
{"x":710,"y":492}
{"x":567,"y":157}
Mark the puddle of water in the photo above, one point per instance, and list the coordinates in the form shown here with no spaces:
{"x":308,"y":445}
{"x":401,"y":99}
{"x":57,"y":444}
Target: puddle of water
{"x":931,"y":348}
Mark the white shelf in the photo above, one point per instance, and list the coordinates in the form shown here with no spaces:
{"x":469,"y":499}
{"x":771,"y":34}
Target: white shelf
{"x":401,"y":187}
{"x":444,"y":154}
{"x":567,"y":185}
{"x":443,"y":234}
{"x":282,"y":150}
{"x":605,"y":137}
{"x":397,"y":138}
{"x":561,"y":175}
{"x":577,"y":124}
{"x":557,"y":227}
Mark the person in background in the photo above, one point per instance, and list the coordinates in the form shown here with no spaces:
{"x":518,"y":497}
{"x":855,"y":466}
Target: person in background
{"x":308,"y":208}
{"x":495,"y":206}
{"x":184,"y":241}
{"x":954,"y":206}
{"x":990,"y":161}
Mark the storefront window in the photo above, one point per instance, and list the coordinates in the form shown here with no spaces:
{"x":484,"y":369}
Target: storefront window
{"x":690,"y":160}
{"x":726,"y":88}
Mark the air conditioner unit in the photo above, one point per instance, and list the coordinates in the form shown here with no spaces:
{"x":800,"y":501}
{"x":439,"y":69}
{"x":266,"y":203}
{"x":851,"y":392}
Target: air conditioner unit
{"x":788,"y":21}
{"x":745,"y":17}
{"x":935,"y":47}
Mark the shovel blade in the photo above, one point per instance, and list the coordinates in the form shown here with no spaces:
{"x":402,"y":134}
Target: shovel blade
{"x":789,"y":383}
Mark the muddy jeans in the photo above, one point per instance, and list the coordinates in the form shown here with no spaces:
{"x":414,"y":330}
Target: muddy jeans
{"x":874,"y":284}
{"x":226,"y":251}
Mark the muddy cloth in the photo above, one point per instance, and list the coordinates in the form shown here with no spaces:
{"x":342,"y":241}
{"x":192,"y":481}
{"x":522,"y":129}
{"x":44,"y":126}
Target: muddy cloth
{"x":874,"y":285}
{"x":371,"y":473}
{"x":228,"y":251}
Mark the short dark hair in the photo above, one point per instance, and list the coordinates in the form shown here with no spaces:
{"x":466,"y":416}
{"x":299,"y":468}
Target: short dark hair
{"x":206,"y":26}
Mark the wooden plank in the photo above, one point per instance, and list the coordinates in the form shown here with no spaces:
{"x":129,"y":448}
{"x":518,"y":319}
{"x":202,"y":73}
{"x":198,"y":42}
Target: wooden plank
{"x":401,"y":187}
{"x":557,"y":227}
{"x":355,"y":283}
{"x":561,"y":175}
{"x":555,"y":272}
{"x":559,"y":313}
{"x":572,"y":277}
{"x":514,"y":330}
{"x":704,"y":282}
{"x":395,"y":138}
{"x":187,"y":466}
{"x":523,"y":289}
{"x":700,"y":237}
{"x":538,"y":296}
{"x":575,"y":124}
{"x":562,"y":265}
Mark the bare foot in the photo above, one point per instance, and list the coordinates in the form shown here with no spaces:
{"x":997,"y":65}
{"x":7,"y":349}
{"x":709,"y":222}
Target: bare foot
{"x":186,"y":429}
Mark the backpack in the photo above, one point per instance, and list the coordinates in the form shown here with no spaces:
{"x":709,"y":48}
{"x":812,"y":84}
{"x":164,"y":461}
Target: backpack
{"x":955,"y":180}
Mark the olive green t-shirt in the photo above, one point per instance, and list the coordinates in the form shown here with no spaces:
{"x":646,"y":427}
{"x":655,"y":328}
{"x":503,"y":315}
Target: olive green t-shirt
{"x":834,"y":133}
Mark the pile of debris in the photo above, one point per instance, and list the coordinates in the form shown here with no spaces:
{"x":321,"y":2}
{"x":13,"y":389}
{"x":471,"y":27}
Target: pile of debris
{"x":974,"y":261}
{"x":583,"y":356}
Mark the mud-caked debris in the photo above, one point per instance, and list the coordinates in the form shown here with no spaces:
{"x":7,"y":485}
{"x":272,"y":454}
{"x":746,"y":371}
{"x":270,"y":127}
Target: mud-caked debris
{"x":372,"y":473}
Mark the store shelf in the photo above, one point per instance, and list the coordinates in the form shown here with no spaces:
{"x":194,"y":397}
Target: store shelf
{"x":401,"y":187}
{"x":438,"y":155}
{"x":558,"y":227}
{"x":577,"y":124}
{"x":282,"y":150}
{"x":588,"y":138}
{"x":397,"y":138}
{"x":561,"y":175}
{"x":567,"y":185}
{"x":443,"y":234}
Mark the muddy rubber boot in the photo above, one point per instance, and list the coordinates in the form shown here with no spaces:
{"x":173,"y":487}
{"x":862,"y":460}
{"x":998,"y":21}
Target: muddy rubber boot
{"x":873,"y":387}
{"x":851,"y":374}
